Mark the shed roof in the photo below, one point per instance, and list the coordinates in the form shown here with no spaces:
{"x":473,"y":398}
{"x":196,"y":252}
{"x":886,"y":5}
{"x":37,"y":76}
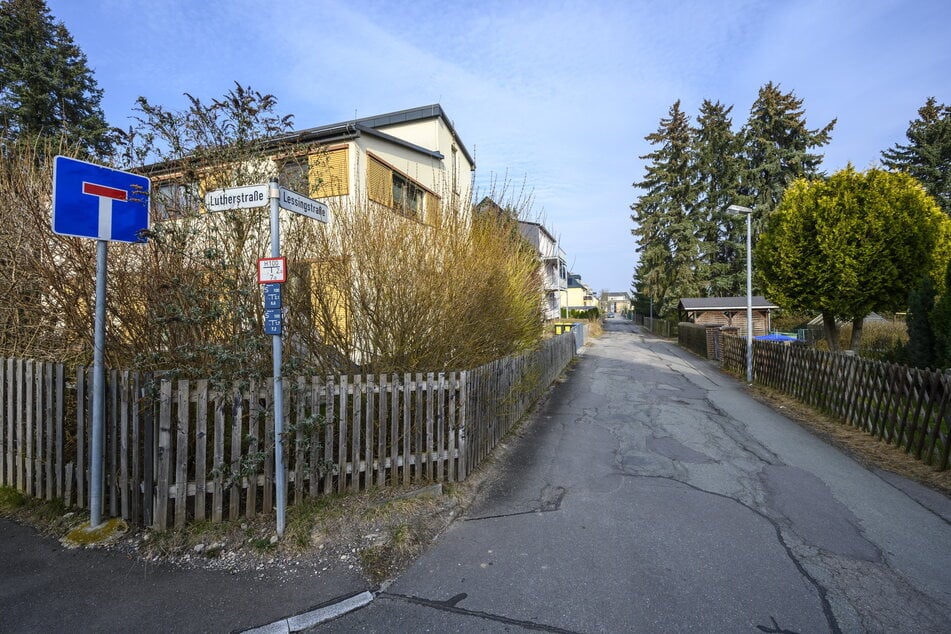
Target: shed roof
{"x":724,"y":303}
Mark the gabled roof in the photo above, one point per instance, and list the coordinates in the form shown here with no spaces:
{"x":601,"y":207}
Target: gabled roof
{"x":348,"y":130}
{"x":724,"y":303}
{"x":525,"y":224}
{"x":371,"y":125}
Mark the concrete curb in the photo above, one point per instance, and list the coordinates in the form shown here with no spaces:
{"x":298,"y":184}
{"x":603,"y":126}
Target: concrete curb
{"x":314,"y":617}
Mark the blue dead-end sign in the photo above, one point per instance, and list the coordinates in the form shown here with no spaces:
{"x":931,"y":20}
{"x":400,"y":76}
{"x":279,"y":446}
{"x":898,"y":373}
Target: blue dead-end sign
{"x":93,"y":201}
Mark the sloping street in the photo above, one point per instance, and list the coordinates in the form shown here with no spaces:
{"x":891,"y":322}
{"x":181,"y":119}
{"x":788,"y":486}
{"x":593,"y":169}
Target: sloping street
{"x":652,"y":494}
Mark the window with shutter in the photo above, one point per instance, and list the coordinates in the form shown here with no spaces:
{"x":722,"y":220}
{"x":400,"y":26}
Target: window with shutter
{"x":379,"y":182}
{"x":330,"y":173}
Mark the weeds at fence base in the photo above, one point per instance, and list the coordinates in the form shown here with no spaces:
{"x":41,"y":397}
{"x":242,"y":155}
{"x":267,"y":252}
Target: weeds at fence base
{"x":862,"y":446}
{"x":86,"y":535}
{"x":50,"y":517}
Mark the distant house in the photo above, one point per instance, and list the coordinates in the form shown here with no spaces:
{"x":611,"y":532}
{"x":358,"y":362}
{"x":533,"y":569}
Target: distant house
{"x":727,"y":311}
{"x":554,"y":270}
{"x":616,"y":302}
{"x":871,"y":317}
{"x":578,"y":295}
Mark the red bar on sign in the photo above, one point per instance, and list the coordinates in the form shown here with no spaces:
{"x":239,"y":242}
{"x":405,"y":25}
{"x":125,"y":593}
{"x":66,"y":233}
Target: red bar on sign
{"x":101,"y":190}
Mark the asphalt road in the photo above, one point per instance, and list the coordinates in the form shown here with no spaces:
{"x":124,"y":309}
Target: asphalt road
{"x":652,"y":494}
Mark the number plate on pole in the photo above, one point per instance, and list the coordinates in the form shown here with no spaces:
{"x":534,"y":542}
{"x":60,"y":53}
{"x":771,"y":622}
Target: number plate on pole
{"x":272,"y":270}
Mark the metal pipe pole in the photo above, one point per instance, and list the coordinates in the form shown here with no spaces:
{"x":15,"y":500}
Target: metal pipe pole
{"x":98,"y":389}
{"x":749,"y":301}
{"x":274,"y":192}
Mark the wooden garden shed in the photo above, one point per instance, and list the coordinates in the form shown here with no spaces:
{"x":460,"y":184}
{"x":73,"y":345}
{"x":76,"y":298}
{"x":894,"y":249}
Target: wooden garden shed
{"x":727,"y":311}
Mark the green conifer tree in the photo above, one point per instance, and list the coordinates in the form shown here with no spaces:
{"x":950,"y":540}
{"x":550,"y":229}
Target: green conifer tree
{"x":664,"y":215}
{"x":46,"y":88}
{"x":927,"y":156}
{"x":721,"y":235}
{"x":777,"y":150}
{"x":920,"y":351}
{"x":941,"y":324}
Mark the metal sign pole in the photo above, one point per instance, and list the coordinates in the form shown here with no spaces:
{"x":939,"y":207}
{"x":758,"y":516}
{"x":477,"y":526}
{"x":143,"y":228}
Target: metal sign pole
{"x":274,"y":193}
{"x":98,"y":389}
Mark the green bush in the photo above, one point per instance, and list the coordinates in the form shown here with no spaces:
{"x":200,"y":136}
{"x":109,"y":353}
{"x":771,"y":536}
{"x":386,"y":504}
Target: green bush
{"x":590,"y":313}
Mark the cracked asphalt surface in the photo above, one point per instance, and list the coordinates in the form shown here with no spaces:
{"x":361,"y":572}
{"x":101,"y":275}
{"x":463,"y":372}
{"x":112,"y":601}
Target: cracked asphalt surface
{"x":652,"y":494}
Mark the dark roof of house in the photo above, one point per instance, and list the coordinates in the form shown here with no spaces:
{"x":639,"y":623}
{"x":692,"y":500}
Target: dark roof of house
{"x":347,"y":130}
{"x":723,"y":303}
{"x":371,"y":125}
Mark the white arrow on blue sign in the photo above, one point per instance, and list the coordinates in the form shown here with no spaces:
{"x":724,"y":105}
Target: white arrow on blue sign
{"x":92,"y":201}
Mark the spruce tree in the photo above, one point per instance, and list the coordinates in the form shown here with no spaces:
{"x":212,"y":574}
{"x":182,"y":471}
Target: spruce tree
{"x":46,"y":87}
{"x":920,"y":350}
{"x":716,"y":149}
{"x":778,"y":148}
{"x":941,"y":324}
{"x":927,"y":156}
{"x":663,"y":215}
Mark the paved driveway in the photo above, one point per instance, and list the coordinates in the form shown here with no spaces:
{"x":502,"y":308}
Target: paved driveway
{"x":652,"y":494}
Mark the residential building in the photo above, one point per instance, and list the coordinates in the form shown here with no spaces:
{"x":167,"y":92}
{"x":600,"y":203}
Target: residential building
{"x":553,"y":269}
{"x":615,"y":302}
{"x":578,"y":295}
{"x":408,"y":161}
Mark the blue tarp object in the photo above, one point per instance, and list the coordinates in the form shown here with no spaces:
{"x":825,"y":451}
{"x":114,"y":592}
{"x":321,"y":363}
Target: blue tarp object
{"x":775,"y":336}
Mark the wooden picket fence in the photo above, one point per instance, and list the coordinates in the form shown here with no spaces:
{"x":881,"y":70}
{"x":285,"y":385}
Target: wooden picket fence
{"x":908,"y":407}
{"x":177,"y":451}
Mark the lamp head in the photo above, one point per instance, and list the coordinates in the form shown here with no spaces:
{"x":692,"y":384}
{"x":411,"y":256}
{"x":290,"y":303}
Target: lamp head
{"x":739,"y":209}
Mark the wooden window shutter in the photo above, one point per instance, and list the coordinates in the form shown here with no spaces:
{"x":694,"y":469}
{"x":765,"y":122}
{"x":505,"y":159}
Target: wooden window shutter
{"x":379,"y":182}
{"x":432,"y":205}
{"x":330,"y":173}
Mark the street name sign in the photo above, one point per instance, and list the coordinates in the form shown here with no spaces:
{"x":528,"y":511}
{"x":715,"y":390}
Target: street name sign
{"x":246,"y":197}
{"x":94,"y":201}
{"x":294,"y":202}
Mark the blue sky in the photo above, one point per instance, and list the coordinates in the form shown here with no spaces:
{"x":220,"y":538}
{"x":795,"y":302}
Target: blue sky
{"x":555,"y":95}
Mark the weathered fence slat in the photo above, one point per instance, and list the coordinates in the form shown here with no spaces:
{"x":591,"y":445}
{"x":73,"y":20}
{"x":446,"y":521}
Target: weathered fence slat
{"x":201,"y":447}
{"x":406,"y":427}
{"x":181,"y":453}
{"x":28,"y":434}
{"x":164,"y":455}
{"x":111,"y":429}
{"x":250,"y":469}
{"x":218,"y":459}
{"x":394,"y":427}
{"x":342,"y":439}
{"x":234,"y":469}
{"x":329,"y":436}
{"x":124,"y":444}
{"x":267,"y":499}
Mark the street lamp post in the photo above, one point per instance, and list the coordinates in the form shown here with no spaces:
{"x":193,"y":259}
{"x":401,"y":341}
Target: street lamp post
{"x":737,"y":209}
